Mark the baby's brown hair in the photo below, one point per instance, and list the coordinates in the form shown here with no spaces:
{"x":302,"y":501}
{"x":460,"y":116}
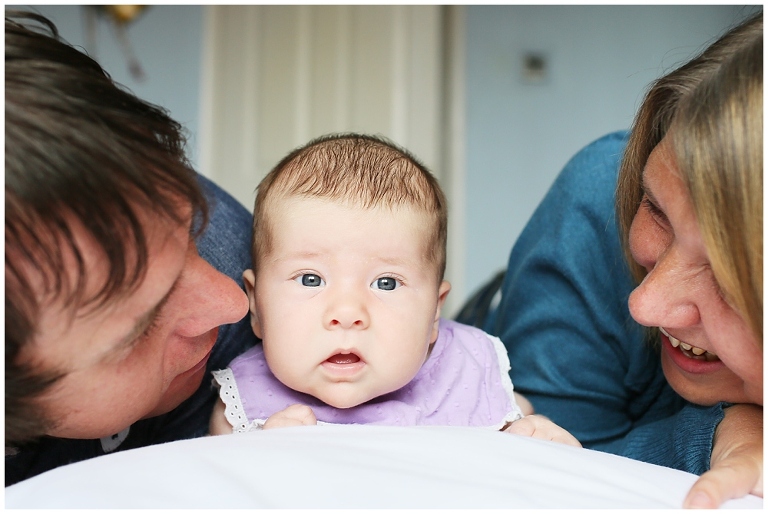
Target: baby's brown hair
{"x":359,"y":170}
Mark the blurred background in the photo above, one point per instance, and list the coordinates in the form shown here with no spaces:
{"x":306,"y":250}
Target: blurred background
{"x":494,"y":99}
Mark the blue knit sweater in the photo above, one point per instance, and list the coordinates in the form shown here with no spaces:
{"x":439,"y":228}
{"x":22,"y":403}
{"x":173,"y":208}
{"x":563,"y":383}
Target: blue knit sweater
{"x":576,"y":353}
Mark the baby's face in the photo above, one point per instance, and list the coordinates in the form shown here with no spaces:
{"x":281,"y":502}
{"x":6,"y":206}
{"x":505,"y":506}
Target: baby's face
{"x":346,"y":302}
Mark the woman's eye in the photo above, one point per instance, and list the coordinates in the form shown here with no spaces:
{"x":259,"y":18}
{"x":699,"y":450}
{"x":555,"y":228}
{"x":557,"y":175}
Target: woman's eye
{"x":310,"y":280}
{"x":657,"y":213}
{"x":385,"y":283}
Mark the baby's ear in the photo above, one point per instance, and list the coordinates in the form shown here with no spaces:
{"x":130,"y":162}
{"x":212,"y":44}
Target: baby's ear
{"x":442,"y":294}
{"x":249,"y":280}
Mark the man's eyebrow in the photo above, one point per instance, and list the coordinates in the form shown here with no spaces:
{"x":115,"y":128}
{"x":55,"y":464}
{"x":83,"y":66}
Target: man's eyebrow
{"x":145,"y":320}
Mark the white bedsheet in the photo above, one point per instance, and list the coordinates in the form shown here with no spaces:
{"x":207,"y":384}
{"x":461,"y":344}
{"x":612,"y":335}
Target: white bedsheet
{"x":334,"y":466}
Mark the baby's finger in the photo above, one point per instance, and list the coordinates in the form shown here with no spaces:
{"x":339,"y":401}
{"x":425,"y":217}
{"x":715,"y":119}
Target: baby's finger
{"x":301,"y":413}
{"x":540,"y":427}
{"x":524,"y":427}
{"x":293,"y":416}
{"x":562,"y":436}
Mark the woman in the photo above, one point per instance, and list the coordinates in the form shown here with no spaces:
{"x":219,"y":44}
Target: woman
{"x":689,"y":203}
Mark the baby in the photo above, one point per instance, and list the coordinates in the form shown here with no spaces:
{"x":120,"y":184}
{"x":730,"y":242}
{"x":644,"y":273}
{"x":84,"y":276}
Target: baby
{"x":349,"y":249}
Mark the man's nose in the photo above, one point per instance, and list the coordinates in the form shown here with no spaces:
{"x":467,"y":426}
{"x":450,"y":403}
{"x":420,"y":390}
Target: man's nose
{"x":212,"y":299}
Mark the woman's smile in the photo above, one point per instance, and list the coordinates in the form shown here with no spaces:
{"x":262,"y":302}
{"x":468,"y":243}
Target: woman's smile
{"x":687,"y":360}
{"x":690,"y":351}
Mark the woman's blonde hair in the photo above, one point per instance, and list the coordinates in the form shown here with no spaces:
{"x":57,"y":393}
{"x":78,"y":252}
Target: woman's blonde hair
{"x":712,"y":109}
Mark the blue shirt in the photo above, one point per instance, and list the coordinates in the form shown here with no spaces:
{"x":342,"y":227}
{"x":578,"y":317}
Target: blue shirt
{"x":576,"y":353}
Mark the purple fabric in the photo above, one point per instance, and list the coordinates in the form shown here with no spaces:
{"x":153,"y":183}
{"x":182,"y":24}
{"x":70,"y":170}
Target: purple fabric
{"x":460,"y":384}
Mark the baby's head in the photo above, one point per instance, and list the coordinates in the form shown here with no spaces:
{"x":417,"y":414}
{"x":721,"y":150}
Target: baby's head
{"x":347,"y":283}
{"x":359,"y":171}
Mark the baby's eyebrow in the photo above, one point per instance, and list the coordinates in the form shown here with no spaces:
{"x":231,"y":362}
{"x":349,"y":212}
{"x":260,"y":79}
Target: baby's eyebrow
{"x":311,"y":255}
{"x":394,"y":261}
{"x":302,"y":254}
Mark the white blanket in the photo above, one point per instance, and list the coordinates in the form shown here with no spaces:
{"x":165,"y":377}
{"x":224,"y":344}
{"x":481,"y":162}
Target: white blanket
{"x":333,"y":466}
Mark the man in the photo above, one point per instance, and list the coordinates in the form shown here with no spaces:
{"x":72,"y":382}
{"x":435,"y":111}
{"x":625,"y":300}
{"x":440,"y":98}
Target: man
{"x":121,"y":264}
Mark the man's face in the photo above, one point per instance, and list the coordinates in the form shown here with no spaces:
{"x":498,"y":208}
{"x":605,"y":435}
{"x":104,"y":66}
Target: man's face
{"x":141,"y":354}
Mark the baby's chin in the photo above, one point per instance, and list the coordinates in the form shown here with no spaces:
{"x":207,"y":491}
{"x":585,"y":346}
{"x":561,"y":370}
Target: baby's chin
{"x":341,"y":399}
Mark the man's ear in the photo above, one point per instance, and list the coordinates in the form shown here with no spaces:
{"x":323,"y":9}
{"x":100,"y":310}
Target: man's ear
{"x":249,"y":280}
{"x":442,"y":294}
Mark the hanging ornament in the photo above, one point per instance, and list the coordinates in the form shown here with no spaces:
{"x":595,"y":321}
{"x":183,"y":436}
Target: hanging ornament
{"x":118,"y":17}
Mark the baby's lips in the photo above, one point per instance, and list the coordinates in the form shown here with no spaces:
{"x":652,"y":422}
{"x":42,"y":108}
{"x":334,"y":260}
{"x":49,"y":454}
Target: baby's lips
{"x":344,"y":358}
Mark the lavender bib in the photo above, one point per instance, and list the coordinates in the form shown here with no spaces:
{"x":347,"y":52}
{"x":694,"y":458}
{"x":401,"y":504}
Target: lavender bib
{"x":464,"y":382}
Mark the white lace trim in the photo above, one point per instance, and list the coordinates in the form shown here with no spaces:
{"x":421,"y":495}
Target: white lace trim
{"x":504,"y":365}
{"x":234,"y":411}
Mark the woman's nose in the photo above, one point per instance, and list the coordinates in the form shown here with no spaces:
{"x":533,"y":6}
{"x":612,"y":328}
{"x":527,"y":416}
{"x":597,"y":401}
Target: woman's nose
{"x":664,"y":297}
{"x":346,"y":309}
{"x":667,"y":296}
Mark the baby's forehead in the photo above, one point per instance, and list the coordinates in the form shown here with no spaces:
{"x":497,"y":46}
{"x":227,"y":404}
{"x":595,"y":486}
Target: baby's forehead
{"x":298,"y":220}
{"x":354,"y":205}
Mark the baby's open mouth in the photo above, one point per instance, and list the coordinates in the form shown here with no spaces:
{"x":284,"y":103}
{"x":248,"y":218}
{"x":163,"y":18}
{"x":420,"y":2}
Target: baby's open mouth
{"x":344,"y":358}
{"x":690,"y":351}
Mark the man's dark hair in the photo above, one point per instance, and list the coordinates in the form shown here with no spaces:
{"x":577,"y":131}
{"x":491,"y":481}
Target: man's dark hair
{"x":78,"y":148}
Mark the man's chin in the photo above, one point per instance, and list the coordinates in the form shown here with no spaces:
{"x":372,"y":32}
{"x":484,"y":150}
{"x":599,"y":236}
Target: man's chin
{"x":180,"y":390}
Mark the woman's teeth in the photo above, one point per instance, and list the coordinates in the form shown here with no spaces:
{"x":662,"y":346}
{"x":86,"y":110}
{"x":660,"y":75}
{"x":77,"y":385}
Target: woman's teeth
{"x":691,"y":351}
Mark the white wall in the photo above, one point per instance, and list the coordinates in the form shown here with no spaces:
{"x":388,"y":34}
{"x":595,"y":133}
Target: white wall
{"x":166,"y":40}
{"x":519,"y":135}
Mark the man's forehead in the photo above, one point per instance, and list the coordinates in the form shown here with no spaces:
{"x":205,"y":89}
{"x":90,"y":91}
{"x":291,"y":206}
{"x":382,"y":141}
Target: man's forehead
{"x":74,"y":265}
{"x":87,"y":301}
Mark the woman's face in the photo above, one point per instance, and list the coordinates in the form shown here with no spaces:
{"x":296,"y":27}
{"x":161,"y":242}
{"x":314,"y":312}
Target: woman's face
{"x":709,"y":354}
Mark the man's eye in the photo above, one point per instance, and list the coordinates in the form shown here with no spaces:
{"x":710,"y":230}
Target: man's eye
{"x":385,"y":284}
{"x":310,"y":280}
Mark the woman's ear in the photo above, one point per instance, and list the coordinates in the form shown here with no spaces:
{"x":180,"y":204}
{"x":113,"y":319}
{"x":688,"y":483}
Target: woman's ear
{"x":442,"y":293}
{"x":249,"y":280}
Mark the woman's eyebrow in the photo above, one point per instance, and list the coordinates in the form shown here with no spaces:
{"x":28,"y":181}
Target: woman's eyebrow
{"x":647,"y":190}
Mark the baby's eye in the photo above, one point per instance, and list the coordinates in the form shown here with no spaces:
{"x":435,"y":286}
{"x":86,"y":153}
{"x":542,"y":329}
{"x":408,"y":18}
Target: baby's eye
{"x":310,"y":280}
{"x":385,"y":283}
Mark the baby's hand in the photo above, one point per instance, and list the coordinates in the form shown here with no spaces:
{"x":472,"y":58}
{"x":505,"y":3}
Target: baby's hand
{"x":523,"y":403}
{"x":540,"y":427}
{"x":293,"y":416}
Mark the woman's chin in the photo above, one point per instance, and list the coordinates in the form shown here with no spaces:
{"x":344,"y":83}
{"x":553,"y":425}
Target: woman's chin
{"x":707,"y":389}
